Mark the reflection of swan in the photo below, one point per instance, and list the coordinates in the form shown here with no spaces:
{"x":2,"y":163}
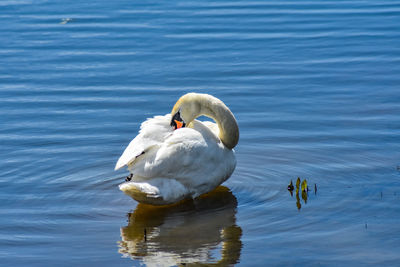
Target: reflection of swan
{"x":170,"y":162}
{"x":189,"y":232}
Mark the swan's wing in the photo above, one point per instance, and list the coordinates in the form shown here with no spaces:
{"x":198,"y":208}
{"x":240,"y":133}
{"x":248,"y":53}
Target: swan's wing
{"x":194,"y":157}
{"x":213,"y":127}
{"x":153,"y":132}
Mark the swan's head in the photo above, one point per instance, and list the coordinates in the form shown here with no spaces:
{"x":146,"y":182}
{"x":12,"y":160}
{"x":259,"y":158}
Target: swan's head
{"x":177,"y":121}
{"x":185,"y":110}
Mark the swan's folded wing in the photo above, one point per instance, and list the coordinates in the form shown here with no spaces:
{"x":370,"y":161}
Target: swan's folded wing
{"x":152,"y":133}
{"x":133,"y":150}
{"x":196,"y":158}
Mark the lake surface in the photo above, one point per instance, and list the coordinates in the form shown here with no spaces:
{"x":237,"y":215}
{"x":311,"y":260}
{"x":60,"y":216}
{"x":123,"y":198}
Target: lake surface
{"x":314,"y":85}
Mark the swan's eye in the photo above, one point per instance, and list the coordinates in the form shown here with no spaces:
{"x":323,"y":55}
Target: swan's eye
{"x":177,"y":122}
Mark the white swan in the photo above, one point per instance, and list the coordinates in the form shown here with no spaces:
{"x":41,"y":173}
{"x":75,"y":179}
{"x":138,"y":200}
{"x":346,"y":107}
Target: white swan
{"x":176,"y":157}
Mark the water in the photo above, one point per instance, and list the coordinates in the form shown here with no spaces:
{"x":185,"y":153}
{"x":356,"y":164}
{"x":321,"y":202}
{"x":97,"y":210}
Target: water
{"x":314,"y":86}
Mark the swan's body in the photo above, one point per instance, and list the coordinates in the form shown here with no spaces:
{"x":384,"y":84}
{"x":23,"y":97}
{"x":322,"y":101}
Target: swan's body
{"x":168,"y":164}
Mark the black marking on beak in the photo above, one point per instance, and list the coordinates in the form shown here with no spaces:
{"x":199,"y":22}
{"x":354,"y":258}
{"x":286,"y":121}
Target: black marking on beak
{"x":177,"y":117}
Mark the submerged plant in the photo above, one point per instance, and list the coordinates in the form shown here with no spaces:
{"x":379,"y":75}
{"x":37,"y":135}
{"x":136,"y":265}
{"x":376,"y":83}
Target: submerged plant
{"x":301,"y":186}
{"x":290,"y":186}
{"x":304,"y":186}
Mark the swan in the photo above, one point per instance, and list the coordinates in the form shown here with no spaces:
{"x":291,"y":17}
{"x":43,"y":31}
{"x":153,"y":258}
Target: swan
{"x":175,"y":156}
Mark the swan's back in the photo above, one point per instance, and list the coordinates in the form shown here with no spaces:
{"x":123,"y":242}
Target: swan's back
{"x":193,"y":159}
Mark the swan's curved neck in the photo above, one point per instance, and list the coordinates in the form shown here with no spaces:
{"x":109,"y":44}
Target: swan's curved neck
{"x":194,"y":105}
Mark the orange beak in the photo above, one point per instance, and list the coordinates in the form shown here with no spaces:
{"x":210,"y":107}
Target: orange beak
{"x":179,"y":124}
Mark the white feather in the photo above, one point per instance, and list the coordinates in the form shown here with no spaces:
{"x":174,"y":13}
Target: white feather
{"x":176,"y":164}
{"x":146,"y":139}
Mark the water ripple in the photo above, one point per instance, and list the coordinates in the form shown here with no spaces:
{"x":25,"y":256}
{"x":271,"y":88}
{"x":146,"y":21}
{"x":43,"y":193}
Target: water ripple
{"x":313,"y":85}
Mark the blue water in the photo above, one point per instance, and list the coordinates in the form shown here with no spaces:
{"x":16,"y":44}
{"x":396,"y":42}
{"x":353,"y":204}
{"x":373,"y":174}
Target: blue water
{"x":313,"y":84}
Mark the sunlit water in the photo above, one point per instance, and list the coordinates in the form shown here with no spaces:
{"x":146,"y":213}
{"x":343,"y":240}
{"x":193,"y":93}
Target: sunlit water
{"x":314,"y":86}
